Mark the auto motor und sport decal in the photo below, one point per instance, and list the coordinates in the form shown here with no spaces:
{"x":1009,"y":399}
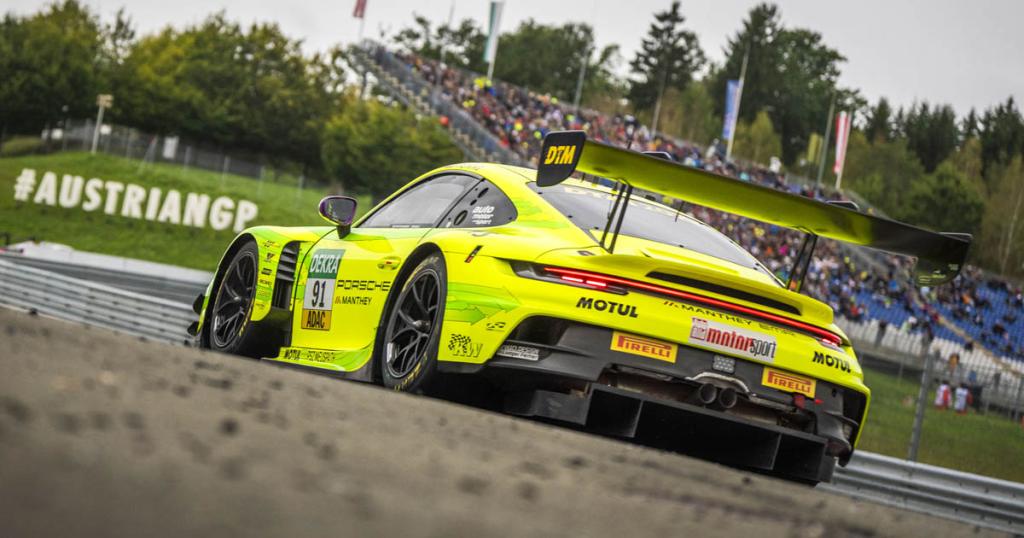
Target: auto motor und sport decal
{"x":788,"y":382}
{"x":319,"y":295}
{"x":644,"y":347}
{"x":720,"y":337}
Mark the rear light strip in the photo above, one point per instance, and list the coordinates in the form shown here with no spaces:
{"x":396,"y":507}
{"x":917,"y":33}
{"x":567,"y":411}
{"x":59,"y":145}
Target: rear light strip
{"x":600,"y":281}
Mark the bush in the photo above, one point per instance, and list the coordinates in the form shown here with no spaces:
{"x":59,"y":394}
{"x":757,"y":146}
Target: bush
{"x":377,"y":148}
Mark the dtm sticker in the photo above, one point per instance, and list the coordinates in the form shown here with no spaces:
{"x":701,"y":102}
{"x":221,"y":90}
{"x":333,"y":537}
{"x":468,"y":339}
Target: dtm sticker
{"x":560,"y":155}
{"x":788,"y":382}
{"x":720,"y":337}
{"x":601,"y":305}
{"x":645,"y":347}
{"x":319,"y":295}
{"x":832,"y":361}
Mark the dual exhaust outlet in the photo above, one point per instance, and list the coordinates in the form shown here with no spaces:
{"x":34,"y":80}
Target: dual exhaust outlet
{"x":710,"y":395}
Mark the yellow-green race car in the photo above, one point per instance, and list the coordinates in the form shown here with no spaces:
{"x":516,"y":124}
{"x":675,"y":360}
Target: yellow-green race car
{"x":575,"y":303}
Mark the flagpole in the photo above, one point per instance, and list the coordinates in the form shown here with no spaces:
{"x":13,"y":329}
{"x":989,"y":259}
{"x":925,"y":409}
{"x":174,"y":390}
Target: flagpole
{"x":739,"y":99}
{"x":824,"y":144}
{"x":451,"y":16}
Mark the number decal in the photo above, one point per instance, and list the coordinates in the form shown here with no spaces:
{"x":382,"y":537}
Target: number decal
{"x":319,"y":294}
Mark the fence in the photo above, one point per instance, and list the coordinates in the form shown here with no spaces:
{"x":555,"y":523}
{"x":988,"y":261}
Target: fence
{"x":131,"y":143}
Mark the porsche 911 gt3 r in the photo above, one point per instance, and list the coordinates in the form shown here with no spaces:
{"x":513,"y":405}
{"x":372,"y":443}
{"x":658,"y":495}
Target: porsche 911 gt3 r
{"x":576,"y":303}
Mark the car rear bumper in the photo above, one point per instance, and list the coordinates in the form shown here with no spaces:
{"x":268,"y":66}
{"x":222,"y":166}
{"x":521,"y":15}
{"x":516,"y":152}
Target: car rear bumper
{"x":578,"y":378}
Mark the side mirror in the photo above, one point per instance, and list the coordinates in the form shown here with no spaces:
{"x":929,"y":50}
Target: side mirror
{"x":339,"y":210}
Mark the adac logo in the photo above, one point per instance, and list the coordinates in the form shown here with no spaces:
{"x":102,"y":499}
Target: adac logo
{"x":560,"y":155}
{"x":600,"y":305}
{"x":838,"y":363}
{"x":645,"y":347}
{"x":788,"y":382}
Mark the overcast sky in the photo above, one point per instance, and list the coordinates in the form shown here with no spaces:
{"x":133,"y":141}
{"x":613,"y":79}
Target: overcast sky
{"x":969,"y":53}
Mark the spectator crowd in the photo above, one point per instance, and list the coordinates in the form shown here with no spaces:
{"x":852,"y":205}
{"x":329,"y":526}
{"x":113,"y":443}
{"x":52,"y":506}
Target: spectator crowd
{"x":876,"y":286}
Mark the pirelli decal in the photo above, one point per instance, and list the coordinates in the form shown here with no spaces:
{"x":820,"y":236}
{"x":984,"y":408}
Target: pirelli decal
{"x":788,"y":382}
{"x":644,"y":347}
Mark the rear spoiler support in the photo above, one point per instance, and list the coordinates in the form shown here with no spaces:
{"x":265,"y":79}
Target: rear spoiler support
{"x":940,"y":256}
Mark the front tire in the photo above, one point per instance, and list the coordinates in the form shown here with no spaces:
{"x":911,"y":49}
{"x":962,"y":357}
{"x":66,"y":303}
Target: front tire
{"x":230,"y":329}
{"x":409,"y":352}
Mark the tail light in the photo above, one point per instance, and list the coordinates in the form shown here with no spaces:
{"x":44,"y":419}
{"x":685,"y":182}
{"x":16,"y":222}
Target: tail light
{"x":622,"y":286}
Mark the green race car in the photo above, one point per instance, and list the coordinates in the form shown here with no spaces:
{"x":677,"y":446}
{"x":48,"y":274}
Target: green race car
{"x":574,"y":303}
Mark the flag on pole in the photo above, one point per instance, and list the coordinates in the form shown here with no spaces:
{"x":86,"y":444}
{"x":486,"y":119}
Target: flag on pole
{"x":360,"y":11}
{"x":732,"y":95}
{"x":843,"y":121}
{"x":493,"y":28}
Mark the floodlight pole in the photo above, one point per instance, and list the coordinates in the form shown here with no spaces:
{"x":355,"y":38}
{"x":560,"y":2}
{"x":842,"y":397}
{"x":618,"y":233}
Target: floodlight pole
{"x":922,"y":403}
{"x":579,"y":81}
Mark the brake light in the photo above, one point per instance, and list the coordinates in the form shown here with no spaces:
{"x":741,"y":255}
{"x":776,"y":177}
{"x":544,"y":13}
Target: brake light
{"x":601,"y":281}
{"x":593,"y":283}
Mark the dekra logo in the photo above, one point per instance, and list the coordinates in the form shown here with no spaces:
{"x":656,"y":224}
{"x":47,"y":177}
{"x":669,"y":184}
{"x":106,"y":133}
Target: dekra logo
{"x":607,"y":306}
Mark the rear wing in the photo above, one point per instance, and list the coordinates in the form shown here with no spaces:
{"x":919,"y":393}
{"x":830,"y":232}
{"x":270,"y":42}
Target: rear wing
{"x":940,"y":256}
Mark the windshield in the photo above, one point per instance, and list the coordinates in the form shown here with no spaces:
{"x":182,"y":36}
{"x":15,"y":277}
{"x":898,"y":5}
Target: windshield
{"x":588,"y":208}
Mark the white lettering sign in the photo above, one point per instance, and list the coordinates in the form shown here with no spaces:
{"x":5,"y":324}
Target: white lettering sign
{"x":134,"y":201}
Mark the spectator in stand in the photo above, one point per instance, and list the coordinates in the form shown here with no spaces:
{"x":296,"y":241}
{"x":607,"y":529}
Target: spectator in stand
{"x":942,"y":395}
{"x":961,"y":399}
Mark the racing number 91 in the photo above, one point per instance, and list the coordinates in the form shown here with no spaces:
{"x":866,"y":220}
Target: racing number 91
{"x":319,"y":289}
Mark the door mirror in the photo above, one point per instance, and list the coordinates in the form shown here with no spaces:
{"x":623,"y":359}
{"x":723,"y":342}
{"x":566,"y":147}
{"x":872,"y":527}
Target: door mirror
{"x":339,"y":210}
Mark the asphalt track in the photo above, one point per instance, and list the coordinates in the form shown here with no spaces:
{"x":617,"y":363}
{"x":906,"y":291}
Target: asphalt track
{"x":105,"y":435}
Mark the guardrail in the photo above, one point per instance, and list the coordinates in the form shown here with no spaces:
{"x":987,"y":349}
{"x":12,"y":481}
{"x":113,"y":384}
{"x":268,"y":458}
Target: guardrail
{"x":73,"y":299}
{"x":970,"y":498}
{"x":938,"y":491}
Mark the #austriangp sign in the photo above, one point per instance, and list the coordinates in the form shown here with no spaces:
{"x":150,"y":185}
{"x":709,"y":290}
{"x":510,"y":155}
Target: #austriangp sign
{"x":134,"y":201}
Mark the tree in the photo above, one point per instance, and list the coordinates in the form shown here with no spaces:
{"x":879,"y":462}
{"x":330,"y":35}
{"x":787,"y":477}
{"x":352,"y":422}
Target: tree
{"x":463,"y":45}
{"x":668,"y":58}
{"x":49,"y":61}
{"x":878,"y":125}
{"x":791,"y":74}
{"x":1002,"y":134}
{"x":548,"y":59}
{"x":757,"y":142}
{"x":378,"y":148}
{"x":245,"y":89}
{"x":932,"y":133}
{"x":970,"y":126}
{"x":1002,"y":239}
{"x":945,"y":201}
{"x":882,"y":172}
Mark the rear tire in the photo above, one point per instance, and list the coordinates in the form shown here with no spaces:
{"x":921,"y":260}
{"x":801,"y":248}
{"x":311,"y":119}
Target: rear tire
{"x":409,"y":351}
{"x":230,"y":329}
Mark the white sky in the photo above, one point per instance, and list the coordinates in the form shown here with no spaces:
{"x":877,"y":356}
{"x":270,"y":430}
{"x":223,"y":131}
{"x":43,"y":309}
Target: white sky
{"x":966,"y":53}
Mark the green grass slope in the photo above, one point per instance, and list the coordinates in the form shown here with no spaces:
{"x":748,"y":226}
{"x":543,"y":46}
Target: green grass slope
{"x":990,"y":445}
{"x":96,"y":231}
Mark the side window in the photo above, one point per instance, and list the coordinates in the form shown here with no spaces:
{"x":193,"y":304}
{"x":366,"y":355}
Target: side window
{"x":485,"y":205}
{"x":422,"y":205}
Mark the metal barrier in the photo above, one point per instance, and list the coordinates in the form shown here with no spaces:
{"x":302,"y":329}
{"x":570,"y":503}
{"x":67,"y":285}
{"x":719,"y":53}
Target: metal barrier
{"x":970,"y":498}
{"x":938,"y":491}
{"x":63,"y":297}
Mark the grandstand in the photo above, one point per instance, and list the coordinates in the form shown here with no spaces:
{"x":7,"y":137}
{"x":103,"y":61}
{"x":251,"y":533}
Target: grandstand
{"x":976,"y":319}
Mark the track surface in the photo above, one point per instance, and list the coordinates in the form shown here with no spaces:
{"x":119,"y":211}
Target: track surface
{"x":104,"y":435}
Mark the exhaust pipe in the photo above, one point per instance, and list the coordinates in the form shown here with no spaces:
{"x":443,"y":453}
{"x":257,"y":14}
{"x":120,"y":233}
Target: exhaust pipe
{"x":726,"y":398}
{"x":706,"y":393}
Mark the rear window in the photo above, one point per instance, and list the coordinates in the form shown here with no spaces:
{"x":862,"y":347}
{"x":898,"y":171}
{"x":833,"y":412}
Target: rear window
{"x":589,"y":209}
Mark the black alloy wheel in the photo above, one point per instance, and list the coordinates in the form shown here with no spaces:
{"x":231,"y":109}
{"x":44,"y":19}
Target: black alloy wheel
{"x":413,"y":329}
{"x":234,"y":301}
